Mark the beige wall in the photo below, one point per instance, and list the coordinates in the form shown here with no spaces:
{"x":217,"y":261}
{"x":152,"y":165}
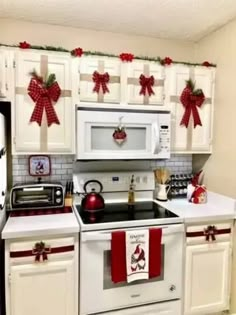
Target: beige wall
{"x":14,"y":31}
{"x":220,"y":168}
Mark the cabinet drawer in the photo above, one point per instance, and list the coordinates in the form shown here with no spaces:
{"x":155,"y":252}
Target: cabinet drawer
{"x":41,"y":250}
{"x":208,"y":232}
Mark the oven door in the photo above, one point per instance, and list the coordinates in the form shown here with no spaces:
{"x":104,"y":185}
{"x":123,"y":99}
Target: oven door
{"x":98,"y":293}
{"x":99,"y":136}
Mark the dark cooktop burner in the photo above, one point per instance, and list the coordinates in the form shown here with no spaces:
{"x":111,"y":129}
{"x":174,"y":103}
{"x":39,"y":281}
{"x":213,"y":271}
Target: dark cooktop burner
{"x":123,"y":212}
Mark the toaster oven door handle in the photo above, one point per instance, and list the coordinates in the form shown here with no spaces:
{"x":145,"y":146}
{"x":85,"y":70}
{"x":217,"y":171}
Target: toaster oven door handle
{"x":155,"y":139}
{"x":33,"y":189}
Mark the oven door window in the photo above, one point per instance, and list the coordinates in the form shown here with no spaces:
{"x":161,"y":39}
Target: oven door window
{"x":107,"y":282}
{"x":102,"y":138}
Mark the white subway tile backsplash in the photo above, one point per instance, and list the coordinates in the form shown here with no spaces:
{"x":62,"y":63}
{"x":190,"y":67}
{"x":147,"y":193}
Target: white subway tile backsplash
{"x":63,"y":166}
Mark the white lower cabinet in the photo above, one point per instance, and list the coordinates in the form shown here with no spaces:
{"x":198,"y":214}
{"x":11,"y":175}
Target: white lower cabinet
{"x":45,"y":287}
{"x":207,"y":276}
{"x":167,"y":308}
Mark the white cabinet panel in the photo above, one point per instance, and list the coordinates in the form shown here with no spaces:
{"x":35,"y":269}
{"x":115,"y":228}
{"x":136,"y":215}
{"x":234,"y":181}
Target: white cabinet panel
{"x":50,"y":286}
{"x":6,"y":75}
{"x":3,"y":160}
{"x":44,"y":287}
{"x":202,"y":135}
{"x":28,"y":136}
{"x":190,"y":139}
{"x":148,"y":69}
{"x":207,"y":278}
{"x":89,"y":65}
{"x":3,"y":75}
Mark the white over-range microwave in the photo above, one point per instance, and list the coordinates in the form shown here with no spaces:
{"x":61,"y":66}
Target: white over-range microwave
{"x":111,"y":133}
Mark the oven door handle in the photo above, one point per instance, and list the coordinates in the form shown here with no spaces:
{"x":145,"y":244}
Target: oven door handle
{"x":106,"y":236}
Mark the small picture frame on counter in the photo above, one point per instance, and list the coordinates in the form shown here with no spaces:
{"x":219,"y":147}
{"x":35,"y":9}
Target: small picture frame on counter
{"x":39,"y":165}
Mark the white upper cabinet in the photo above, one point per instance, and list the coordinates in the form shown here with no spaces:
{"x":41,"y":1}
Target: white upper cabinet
{"x":190,"y":139}
{"x":6,"y":70}
{"x":39,"y":135}
{"x":100,"y":79}
{"x":145,"y":83}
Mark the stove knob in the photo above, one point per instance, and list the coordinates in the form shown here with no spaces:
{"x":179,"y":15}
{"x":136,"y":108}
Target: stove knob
{"x":172,"y":288}
{"x":58,"y":193}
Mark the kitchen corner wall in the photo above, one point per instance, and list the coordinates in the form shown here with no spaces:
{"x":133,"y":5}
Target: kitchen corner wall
{"x":63,"y":166}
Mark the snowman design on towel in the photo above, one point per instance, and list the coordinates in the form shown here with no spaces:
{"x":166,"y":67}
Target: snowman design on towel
{"x":138,"y":259}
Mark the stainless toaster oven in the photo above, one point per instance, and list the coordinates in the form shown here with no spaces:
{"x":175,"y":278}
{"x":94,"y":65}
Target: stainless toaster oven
{"x":41,"y":195}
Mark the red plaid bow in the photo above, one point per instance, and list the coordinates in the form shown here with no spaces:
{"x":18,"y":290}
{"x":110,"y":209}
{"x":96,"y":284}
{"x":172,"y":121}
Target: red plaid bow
{"x":43,"y":98}
{"x":41,"y":250}
{"x":146,"y":85}
{"x":101,"y":81}
{"x":210,"y":233}
{"x":190,"y":103}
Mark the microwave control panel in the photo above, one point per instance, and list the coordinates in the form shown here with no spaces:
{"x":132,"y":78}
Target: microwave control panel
{"x":165,"y":138}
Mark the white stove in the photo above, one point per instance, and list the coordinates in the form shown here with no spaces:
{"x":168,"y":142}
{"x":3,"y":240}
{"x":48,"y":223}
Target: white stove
{"x":159,"y":294}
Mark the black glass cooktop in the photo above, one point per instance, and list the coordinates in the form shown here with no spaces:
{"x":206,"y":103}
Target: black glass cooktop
{"x":124,"y":212}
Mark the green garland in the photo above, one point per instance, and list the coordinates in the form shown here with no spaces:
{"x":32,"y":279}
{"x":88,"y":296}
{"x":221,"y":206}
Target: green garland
{"x":98,"y":53}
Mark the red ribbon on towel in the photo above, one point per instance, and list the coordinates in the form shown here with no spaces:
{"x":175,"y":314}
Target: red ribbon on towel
{"x":118,"y":255}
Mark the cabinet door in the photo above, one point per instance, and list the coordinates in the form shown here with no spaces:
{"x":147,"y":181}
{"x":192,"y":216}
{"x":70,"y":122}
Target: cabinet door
{"x":6,"y":74}
{"x":202,"y":135}
{"x":3,"y":164}
{"x":198,"y":139}
{"x":43,"y":289}
{"x":3,"y":66}
{"x":29,"y":137}
{"x":175,"y":82}
{"x":207,"y":277}
{"x":148,"y":69}
{"x":89,"y":65}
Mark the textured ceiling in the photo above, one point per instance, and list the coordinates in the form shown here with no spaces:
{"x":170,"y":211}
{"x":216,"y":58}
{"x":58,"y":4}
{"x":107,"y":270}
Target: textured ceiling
{"x":172,"y":19}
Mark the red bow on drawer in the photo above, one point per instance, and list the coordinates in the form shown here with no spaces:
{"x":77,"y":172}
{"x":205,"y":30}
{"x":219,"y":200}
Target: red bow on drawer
{"x":40,"y":249}
{"x":210,"y":233}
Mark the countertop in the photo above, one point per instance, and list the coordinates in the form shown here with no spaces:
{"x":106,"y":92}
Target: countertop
{"x":56,"y":224}
{"x":218,"y":207}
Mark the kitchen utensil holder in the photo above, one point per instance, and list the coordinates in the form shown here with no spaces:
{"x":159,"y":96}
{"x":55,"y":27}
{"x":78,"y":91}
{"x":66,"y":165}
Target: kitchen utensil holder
{"x":179,"y":183}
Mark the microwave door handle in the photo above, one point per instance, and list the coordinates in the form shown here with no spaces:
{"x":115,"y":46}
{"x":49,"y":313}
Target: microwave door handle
{"x":155,"y":139}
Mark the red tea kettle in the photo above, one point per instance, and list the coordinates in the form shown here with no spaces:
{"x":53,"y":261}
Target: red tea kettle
{"x":92,"y":202}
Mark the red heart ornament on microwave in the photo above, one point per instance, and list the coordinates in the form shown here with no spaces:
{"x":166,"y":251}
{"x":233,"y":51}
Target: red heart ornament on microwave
{"x":119,"y":135}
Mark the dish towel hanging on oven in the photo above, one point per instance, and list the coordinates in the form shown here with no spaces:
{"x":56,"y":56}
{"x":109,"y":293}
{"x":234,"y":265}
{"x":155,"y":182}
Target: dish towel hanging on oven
{"x":124,"y":256}
{"x":137,"y":255}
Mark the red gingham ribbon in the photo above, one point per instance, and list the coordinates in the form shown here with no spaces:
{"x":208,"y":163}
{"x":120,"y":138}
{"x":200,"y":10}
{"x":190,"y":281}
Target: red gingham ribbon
{"x":146,"y":84}
{"x":191,"y":102}
{"x":101,"y":81}
{"x":43,"y":98}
